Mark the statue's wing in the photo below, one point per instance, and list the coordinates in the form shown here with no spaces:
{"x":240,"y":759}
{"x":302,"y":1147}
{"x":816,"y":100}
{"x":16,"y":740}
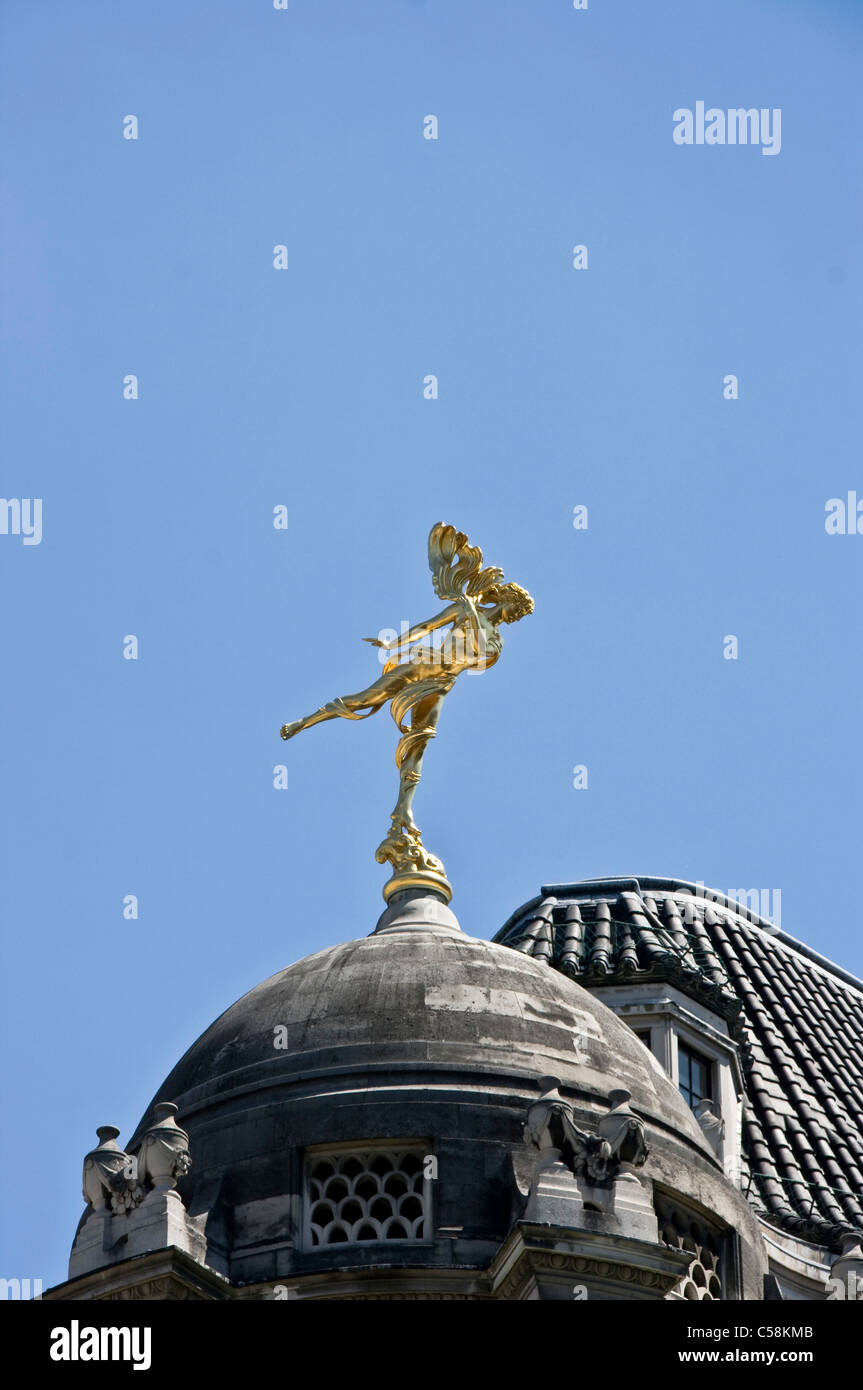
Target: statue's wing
{"x":456,"y":566}
{"x":445,"y":544}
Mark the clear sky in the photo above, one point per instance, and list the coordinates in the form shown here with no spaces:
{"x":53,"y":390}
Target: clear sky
{"x":257,"y":387}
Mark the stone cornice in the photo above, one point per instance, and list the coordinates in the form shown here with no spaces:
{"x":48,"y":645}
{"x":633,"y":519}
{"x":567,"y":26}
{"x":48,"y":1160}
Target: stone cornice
{"x":613,"y":1266}
{"x":162,"y":1274}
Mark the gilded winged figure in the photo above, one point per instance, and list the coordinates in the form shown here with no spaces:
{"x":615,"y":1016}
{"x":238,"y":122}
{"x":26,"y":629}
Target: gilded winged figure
{"x":415,"y":680}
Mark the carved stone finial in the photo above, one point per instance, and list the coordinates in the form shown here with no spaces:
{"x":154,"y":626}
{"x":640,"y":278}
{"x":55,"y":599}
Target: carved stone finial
{"x":623,"y":1131}
{"x":552,"y":1129}
{"x":164,"y":1153}
{"x":109,"y":1176}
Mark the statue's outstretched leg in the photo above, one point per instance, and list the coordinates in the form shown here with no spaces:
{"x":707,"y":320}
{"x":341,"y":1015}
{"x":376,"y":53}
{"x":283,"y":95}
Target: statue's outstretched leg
{"x":344,"y":707}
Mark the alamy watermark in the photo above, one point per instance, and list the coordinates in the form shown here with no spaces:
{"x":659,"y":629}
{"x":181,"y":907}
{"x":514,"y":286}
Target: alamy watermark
{"x":850,"y":1288}
{"x":21,"y":1289}
{"x":737,"y":126}
{"x":21,"y":516}
{"x":77,"y":1343}
{"x":761,"y":905}
{"x":465,"y":646}
{"x":844,"y":516}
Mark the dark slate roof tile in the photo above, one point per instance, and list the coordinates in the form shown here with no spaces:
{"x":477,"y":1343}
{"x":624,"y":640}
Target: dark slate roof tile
{"x":572,"y":945}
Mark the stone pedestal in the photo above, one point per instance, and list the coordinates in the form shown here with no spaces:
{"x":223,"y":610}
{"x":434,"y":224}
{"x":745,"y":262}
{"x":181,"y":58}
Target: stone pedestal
{"x":632,"y":1204}
{"x":554,"y":1197}
{"x":623,"y":1207}
{"x":93,"y":1243}
{"x":161,"y":1221}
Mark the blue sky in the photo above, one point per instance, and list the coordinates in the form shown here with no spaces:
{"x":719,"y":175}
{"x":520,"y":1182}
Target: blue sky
{"x":304,"y":387}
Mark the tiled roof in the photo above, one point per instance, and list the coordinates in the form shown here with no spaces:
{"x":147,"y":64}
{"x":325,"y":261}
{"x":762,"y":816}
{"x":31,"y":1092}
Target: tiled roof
{"x":798,"y":1020}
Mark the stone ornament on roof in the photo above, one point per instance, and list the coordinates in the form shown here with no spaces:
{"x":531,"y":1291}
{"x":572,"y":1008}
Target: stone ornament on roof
{"x":623,"y":1131}
{"x":133,"y":1207}
{"x":164,"y":1153}
{"x":110,"y":1176}
{"x":619,"y":1139}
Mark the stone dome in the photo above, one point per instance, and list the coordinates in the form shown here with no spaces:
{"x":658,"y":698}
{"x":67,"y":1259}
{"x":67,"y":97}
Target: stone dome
{"x":415,"y":1035}
{"x":386,"y":1010}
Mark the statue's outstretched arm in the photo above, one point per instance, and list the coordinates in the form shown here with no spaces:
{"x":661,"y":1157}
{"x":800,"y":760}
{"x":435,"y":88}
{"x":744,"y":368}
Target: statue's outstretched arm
{"x":416,"y":634}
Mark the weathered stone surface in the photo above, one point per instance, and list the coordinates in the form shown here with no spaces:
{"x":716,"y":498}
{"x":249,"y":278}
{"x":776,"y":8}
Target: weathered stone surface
{"x":416,"y":1032}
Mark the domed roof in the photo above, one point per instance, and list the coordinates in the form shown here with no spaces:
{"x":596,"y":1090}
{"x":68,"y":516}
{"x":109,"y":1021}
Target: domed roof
{"x":416,"y":1004}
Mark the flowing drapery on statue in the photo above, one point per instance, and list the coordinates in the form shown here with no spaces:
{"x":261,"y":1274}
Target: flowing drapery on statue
{"x":415,"y":680}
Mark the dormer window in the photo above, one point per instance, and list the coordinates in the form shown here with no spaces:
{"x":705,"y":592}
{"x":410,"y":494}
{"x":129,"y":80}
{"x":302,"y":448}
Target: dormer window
{"x":692,"y":1044}
{"x":695,"y":1076}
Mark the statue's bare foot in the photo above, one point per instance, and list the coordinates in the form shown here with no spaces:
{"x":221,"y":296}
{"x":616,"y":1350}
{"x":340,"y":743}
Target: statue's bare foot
{"x":407,"y":825}
{"x":288,"y":730}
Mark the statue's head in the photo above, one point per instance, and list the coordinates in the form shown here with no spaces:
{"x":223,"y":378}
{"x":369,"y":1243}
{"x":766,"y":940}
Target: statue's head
{"x":513,"y":601}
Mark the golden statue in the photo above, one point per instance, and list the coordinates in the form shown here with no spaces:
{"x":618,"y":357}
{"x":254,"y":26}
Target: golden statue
{"x":418,"y":677}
